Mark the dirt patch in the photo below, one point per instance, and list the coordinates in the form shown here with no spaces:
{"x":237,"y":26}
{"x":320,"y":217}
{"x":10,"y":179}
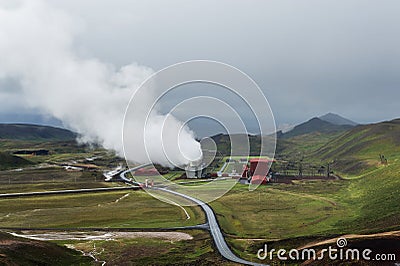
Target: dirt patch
{"x":351,"y":236}
{"x":8,"y":242}
{"x":384,"y":245}
{"x":45,"y":236}
{"x":174,"y":236}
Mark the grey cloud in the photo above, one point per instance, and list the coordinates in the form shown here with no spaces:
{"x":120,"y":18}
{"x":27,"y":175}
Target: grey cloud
{"x":309,"y":57}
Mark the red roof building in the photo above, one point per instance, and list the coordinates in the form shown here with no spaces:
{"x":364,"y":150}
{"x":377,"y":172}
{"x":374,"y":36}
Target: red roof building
{"x":146,"y":172}
{"x":259,"y":167}
{"x":259,"y":179}
{"x":245,"y":171}
{"x":258,"y":170}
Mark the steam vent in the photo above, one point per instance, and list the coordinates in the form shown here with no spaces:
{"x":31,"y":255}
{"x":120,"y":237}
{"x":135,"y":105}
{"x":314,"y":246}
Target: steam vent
{"x":194,"y":169}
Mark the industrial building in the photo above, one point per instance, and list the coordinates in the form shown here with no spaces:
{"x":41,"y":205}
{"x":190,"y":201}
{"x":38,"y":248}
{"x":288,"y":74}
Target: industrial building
{"x":257,"y":171}
{"x":146,"y":172}
{"x":194,"y":169}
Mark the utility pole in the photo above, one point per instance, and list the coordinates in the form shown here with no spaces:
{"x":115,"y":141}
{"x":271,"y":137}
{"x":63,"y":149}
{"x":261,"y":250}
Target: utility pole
{"x":328,"y":171}
{"x":300,"y":169}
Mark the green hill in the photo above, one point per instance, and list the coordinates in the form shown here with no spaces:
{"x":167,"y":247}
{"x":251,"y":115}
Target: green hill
{"x":8,"y":161}
{"x":350,"y":150}
{"x":365,"y":201}
{"x":315,"y":125}
{"x":223,"y":143}
{"x":360,"y":148}
{"x":34,"y":132}
{"x":374,"y":189}
{"x":372,"y":193}
{"x":20,"y":251}
{"x":337,"y":119}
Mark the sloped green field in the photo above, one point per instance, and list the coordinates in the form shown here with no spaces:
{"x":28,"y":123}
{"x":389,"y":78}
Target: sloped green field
{"x":359,"y":149}
{"x":365,"y":201}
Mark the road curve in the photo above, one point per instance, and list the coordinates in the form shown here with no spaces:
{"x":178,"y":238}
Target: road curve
{"x":214,"y":228}
{"x":128,"y":180}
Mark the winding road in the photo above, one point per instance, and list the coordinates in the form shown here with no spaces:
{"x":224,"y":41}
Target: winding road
{"x":213,"y":225}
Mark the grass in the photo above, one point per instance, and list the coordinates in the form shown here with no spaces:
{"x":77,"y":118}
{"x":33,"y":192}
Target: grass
{"x":270,"y":213}
{"x":51,"y":145}
{"x":9,"y":161}
{"x":364,"y":205}
{"x":34,"y":132}
{"x":19,"y":251}
{"x":304,"y":144}
{"x":59,"y":152}
{"x":18,"y":188}
{"x":147,"y":251}
{"x":284,"y":214}
{"x":49,"y":179}
{"x":137,"y":210}
{"x":367,"y":202}
{"x":312,"y":208}
{"x":357,"y":151}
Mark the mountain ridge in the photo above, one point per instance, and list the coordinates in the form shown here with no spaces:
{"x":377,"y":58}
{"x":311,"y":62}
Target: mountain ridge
{"x":337,"y":119}
{"x":20,"y":131}
{"x":313,"y":125}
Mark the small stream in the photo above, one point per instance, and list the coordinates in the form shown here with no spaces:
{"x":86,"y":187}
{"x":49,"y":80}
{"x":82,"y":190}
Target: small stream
{"x":91,"y":254}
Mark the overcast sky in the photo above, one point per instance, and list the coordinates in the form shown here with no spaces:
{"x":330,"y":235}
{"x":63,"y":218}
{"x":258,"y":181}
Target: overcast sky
{"x":309,"y":57}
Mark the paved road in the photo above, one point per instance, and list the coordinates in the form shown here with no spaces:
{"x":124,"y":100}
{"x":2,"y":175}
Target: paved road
{"x":128,"y":180}
{"x":214,"y":228}
{"x":67,"y":191}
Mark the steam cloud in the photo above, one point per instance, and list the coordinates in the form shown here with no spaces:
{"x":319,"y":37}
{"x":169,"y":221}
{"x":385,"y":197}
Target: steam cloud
{"x":89,"y":96}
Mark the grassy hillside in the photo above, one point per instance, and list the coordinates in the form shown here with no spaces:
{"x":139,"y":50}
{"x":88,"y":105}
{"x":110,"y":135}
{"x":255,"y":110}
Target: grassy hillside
{"x":303,"y":138}
{"x":150,"y":250}
{"x":34,"y":132}
{"x":223,"y":143}
{"x":110,"y":209}
{"x":337,"y":119}
{"x":8,"y":161}
{"x":292,"y":147}
{"x":366,"y":202}
{"x":315,"y":125}
{"x":360,"y":148}
{"x":20,"y":251}
{"x":373,"y":192}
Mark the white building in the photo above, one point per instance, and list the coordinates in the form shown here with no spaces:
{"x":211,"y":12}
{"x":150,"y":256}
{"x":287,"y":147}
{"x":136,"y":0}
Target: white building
{"x":194,"y":169}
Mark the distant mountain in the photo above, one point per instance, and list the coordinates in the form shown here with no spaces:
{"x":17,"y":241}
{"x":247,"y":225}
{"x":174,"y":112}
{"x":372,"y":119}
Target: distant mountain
{"x":337,"y":119}
{"x":314,"y":129}
{"x":223,"y":142}
{"x":34,"y":132}
{"x":315,"y":125}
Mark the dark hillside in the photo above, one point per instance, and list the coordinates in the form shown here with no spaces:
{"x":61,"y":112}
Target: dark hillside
{"x":20,"y":251}
{"x":315,"y":125}
{"x":34,"y":132}
{"x":8,"y":161}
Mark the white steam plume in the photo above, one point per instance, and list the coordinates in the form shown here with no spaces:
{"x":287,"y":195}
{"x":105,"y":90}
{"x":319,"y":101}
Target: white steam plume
{"x":89,"y":96}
